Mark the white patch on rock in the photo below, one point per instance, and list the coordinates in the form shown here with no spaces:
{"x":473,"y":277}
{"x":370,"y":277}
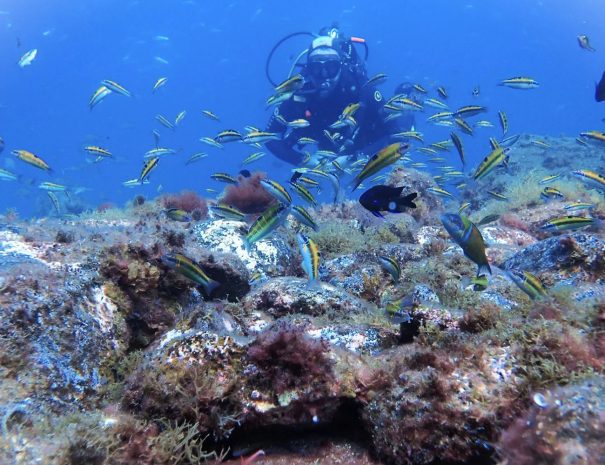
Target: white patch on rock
{"x":225,"y":236}
{"x":103,"y":309}
{"x":169,"y":336}
{"x":427,"y":234}
{"x":13,"y":244}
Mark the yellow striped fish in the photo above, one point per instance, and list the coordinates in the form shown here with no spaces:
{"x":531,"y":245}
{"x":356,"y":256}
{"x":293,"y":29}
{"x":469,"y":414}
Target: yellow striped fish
{"x":463,"y":126}
{"x":304,"y":193}
{"x":266,"y":223}
{"x":115,"y":87}
{"x":385,"y":157}
{"x":98,"y":96}
{"x":291,"y":84}
{"x":528,"y":283}
{"x":520,"y":83}
{"x":147,"y":167}
{"x":98,"y":151}
{"x":391,"y":266}
{"x":30,"y":158}
{"x":209,"y":114}
{"x":159,"y":83}
{"x":190,"y":270}
{"x":591,"y":178}
{"x":489,"y":163}
{"x":503,"y":122}
{"x":568,"y":223}
{"x":310,"y":256}
{"x":595,"y":136}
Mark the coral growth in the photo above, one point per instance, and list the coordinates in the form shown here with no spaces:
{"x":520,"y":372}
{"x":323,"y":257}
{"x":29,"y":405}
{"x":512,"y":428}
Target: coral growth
{"x":415,"y":420}
{"x":198,"y":385}
{"x":126,"y":441}
{"x":481,"y":319}
{"x":143,"y":291}
{"x":513,"y":221}
{"x":288,"y":359}
{"x":248,"y":195}
{"x":188,"y":201}
{"x":338,"y":237}
{"x":105,"y":206}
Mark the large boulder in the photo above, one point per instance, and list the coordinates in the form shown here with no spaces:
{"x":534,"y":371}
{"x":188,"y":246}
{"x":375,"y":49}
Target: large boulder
{"x":270,"y":256}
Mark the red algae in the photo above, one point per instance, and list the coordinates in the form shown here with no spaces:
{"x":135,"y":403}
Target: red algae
{"x":248,"y":195}
{"x":188,"y":201}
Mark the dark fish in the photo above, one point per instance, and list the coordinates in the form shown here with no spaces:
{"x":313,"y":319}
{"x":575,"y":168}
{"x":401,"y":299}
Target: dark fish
{"x":1,"y":144}
{"x":191,"y":270}
{"x":488,"y":219}
{"x":599,"y":93}
{"x":245,"y":173}
{"x":386,"y":198}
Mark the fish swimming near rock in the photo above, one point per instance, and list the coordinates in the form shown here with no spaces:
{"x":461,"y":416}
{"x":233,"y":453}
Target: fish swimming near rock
{"x":265,"y":224}
{"x":191,"y":270}
{"x":382,"y":198}
{"x":528,"y":283}
{"x":310,"y":256}
{"x":468,"y":237}
{"x":599,"y":93}
{"x":176,"y":214}
{"x":391,"y":266}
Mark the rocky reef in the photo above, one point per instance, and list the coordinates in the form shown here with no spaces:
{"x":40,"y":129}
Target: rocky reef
{"x":108,"y":355}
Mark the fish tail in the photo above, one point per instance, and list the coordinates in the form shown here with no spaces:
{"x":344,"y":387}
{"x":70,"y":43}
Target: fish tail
{"x":484,"y":269}
{"x":210,"y":286}
{"x":313,"y":283}
{"x":407,"y":201}
{"x":338,"y":196}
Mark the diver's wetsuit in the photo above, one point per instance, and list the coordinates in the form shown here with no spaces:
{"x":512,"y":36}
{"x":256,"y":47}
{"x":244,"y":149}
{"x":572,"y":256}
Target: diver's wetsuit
{"x":321,"y":112}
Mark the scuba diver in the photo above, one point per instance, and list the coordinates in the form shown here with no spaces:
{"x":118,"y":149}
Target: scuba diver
{"x":334,"y":77}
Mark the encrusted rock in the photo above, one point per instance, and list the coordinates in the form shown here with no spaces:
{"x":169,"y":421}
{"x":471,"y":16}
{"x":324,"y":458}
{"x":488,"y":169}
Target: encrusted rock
{"x":579,"y":255}
{"x":270,"y":256}
{"x":562,"y":427}
{"x":230,"y":272}
{"x":283,"y":296}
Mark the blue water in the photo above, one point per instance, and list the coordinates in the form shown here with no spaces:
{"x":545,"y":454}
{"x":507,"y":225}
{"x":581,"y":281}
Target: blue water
{"x":216,"y":55}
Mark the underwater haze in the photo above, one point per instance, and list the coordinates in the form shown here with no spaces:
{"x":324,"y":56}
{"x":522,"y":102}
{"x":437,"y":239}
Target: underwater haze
{"x":318,"y":232}
{"x":213,"y":54}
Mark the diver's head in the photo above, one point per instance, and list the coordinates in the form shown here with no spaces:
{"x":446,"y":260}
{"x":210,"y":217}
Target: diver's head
{"x":324,"y":65}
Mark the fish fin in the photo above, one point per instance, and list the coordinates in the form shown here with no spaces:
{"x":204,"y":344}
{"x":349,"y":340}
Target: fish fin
{"x":313,"y":284}
{"x":484,"y":269}
{"x":408,"y":200}
{"x":211,"y":286}
{"x":377,"y":214}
